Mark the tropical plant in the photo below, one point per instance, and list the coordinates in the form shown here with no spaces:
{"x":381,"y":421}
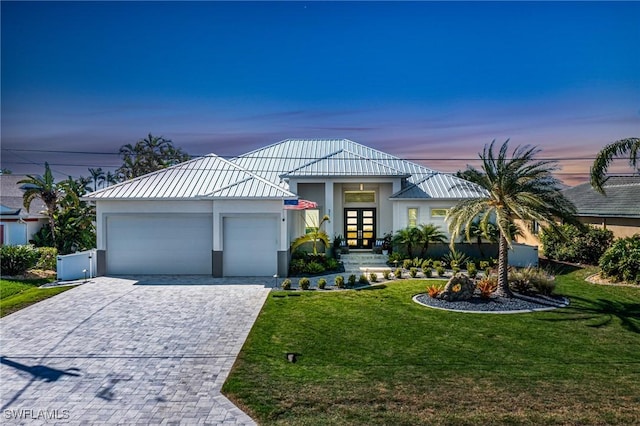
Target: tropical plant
{"x":304,"y":283}
{"x":339,"y":281}
{"x":397,"y":273}
{"x":413,"y":272}
{"x":487,"y":286}
{"x":430,"y":233}
{"x":455,"y":258}
{"x":604,"y":158}
{"x":433,"y":291}
{"x":373,"y":277}
{"x":386,"y":274}
{"x":322,"y":283}
{"x":409,"y":238}
{"x":316,"y":234}
{"x":46,"y":189}
{"x":363,"y":279}
{"x":286,"y":284}
{"x":516,"y":187}
{"x":97,"y":177}
{"x":15,"y":260}
{"x":148,"y":155}
{"x":351,"y":280}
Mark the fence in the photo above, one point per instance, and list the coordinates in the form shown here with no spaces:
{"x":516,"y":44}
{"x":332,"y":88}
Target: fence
{"x":77,"y":266}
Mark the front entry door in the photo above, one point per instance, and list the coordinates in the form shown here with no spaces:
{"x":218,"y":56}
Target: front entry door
{"x":360,"y":227}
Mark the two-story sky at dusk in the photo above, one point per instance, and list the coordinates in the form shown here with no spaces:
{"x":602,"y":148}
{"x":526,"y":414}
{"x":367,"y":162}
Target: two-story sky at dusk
{"x":429,"y":81}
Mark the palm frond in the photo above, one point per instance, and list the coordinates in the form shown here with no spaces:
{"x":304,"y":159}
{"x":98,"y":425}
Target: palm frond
{"x":606,"y":156}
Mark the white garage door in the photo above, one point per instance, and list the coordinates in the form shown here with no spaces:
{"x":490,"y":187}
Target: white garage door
{"x":250,"y":246}
{"x":159,"y":244}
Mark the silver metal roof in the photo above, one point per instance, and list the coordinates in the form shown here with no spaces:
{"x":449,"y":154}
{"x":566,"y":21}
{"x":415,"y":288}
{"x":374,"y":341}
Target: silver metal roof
{"x":204,"y":177}
{"x":342,"y":157}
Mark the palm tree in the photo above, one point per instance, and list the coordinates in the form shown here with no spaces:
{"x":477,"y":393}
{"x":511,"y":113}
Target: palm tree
{"x":110,"y":178}
{"x":430,"y":233}
{"x":408,"y":237}
{"x":44,"y":188}
{"x":519,"y":187}
{"x":607,"y":155}
{"x":314,"y":236}
{"x":97,"y":177}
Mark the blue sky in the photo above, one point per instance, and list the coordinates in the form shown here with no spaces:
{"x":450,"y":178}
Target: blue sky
{"x":421,"y":80}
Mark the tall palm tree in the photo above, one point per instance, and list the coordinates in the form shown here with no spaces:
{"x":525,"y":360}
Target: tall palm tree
{"x":97,"y":177}
{"x":604,"y":158}
{"x":44,"y":188}
{"x":518,"y":187}
{"x":316,"y":234}
{"x":430,"y":233}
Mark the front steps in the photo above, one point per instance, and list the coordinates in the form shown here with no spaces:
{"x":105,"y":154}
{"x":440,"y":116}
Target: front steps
{"x":358,"y":263}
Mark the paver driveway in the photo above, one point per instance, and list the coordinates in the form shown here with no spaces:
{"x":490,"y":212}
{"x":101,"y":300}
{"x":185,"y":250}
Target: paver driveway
{"x":116,"y":352}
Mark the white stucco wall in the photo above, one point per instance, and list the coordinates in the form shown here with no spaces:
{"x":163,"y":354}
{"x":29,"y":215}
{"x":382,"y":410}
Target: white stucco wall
{"x":401,"y":219}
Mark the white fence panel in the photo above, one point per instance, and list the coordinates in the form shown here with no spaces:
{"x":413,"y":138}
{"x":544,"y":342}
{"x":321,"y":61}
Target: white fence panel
{"x":522,"y":255}
{"x":77,"y":265}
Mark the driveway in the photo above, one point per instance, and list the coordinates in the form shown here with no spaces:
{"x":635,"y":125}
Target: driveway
{"x":127,"y":351}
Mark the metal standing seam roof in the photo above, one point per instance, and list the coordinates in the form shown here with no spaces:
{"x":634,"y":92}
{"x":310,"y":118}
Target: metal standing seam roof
{"x":343,"y":157}
{"x":205,"y":177}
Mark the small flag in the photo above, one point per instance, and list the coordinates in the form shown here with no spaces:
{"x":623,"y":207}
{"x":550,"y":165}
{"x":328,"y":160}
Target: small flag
{"x":299,"y":204}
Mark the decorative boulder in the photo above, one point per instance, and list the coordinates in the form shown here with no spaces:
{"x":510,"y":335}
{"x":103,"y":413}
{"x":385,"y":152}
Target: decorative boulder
{"x":459,"y":287}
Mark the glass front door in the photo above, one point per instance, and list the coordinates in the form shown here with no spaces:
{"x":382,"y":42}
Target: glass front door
{"x":360,"y":227}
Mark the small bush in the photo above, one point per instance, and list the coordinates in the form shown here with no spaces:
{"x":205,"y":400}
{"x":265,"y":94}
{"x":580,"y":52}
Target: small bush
{"x":413,"y":272}
{"x":322,"y":283}
{"x":398,"y":273}
{"x":351,"y":280}
{"x":426,"y":263}
{"x":286,"y":284}
{"x":426,"y":270}
{"x":622,"y":260}
{"x":528,"y":280}
{"x":455,"y":269}
{"x":15,"y":260}
{"x":332,"y":264}
{"x":314,"y":268}
{"x":47,"y":258}
{"x":386,"y":274}
{"x":304,"y":283}
{"x":407,"y":263}
{"x":339,"y":281}
{"x":433,"y":291}
{"x":484,"y":264}
{"x":471,"y":269}
{"x":417,"y":262}
{"x":373,"y":277}
{"x":363,"y":279}
{"x":487,"y":286}
{"x":394,"y":257}
{"x":440,"y":271}
{"x":437,"y":264}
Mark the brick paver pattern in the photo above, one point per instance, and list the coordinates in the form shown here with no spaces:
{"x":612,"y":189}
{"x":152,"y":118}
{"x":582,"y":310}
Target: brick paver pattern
{"x":116,"y":351}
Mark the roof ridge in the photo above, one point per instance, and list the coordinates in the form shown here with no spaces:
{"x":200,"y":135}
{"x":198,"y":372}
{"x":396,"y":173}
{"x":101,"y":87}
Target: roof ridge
{"x":313,"y":161}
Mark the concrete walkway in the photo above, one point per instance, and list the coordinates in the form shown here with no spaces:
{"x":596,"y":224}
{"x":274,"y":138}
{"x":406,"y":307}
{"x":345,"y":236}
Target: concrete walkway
{"x":150,"y":350}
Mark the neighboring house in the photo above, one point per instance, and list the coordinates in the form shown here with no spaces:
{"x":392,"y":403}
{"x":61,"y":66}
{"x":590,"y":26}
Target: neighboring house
{"x":617,"y":210}
{"x":17,"y":225}
{"x":228,"y":217}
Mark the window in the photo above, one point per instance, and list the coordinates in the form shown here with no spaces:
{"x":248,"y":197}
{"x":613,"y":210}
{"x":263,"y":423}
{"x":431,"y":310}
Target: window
{"x":535,"y":227}
{"x":438,"y":212}
{"x":311,"y":220}
{"x":412,"y":217}
{"x":359,"y":196}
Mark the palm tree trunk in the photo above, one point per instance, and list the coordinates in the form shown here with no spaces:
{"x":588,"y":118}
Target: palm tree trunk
{"x":503,"y":265}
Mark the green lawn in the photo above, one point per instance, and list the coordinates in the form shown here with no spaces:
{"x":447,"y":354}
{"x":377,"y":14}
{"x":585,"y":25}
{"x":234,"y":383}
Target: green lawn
{"x":18,"y":294}
{"x":376,"y":357}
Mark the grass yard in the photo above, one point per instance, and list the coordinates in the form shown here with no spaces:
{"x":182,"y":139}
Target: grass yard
{"x":375,"y":357}
{"x":18,"y":294}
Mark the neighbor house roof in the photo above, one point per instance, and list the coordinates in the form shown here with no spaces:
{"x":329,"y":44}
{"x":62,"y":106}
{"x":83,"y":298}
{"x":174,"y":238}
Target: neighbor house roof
{"x":205,"y":177}
{"x":621,"y":198}
{"x":11,"y":197}
{"x":342,"y":157}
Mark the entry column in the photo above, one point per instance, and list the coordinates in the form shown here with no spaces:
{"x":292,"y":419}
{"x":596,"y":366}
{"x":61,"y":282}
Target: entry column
{"x":328,"y":207}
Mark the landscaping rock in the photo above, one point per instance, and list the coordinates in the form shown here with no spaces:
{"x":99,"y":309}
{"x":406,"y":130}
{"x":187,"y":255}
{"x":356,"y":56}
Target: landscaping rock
{"x":459,"y":287}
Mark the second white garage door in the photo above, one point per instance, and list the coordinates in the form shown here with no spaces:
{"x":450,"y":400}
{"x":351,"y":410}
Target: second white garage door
{"x":159,"y":244}
{"x":250,"y":246}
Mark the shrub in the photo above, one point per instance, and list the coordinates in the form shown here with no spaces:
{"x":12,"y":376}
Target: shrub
{"x":286,"y":284}
{"x":314,"y":268}
{"x":322,"y":283}
{"x":527,"y":280}
{"x":332,"y":264}
{"x":440,"y":271}
{"x":47,"y":258}
{"x":471,"y":269}
{"x":373,"y":277}
{"x":297,"y":266}
{"x":584,"y":244}
{"x":413,"y":272}
{"x":484,"y":264}
{"x":433,"y":290}
{"x":395,"y":257}
{"x":426,"y":270}
{"x":622,"y":260}
{"x":486,"y":286}
{"x":15,"y":260}
{"x":455,"y":258}
{"x":386,"y":274}
{"x":304,"y":283}
{"x":339,"y":281}
{"x":437,"y":264}
{"x":363,"y":279}
{"x":397,"y":273}
{"x":417,"y":262}
{"x":351,"y":280}
{"x":426,"y":263}
{"x":455,"y":269}
{"x":407,"y":263}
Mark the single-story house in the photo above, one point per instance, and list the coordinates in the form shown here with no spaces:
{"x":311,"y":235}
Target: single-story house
{"x":233,"y":218}
{"x":17,"y":224}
